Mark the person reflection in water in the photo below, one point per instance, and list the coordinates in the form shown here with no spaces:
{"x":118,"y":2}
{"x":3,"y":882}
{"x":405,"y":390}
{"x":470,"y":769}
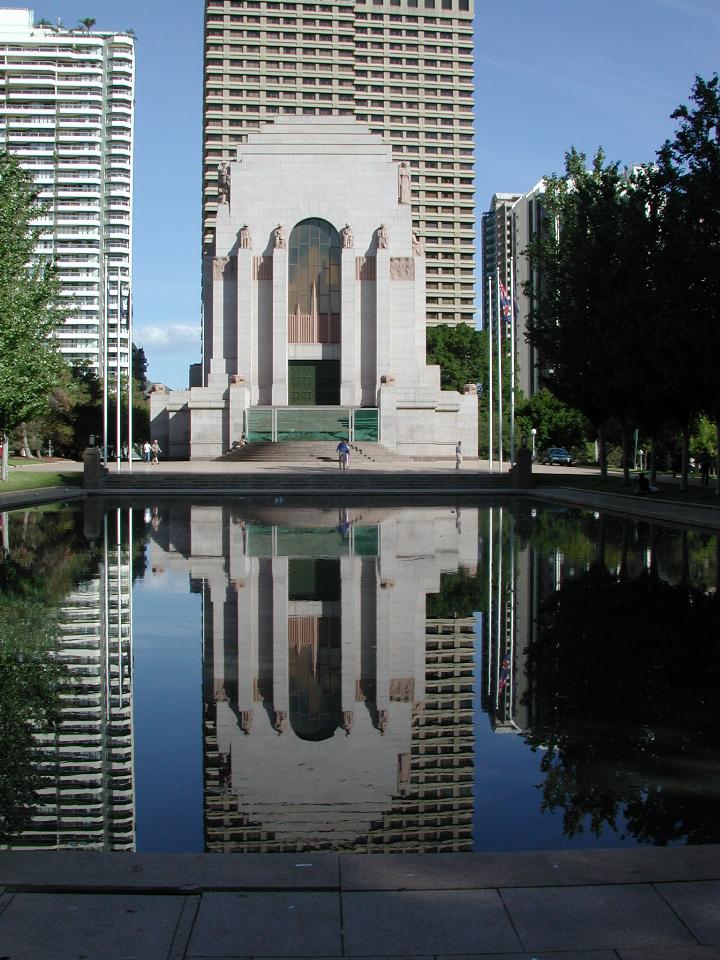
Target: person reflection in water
{"x":343,"y":526}
{"x":504,"y":675}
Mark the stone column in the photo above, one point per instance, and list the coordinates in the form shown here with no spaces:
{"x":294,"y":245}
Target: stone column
{"x":281,"y":671}
{"x":280,"y":327}
{"x":383,"y":321}
{"x":247,"y":358}
{"x":350,"y":330}
{"x":420,"y":309}
{"x":223,"y":309}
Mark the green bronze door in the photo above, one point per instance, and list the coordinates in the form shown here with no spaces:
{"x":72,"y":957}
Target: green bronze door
{"x":301,"y":383}
{"x":313,"y":383}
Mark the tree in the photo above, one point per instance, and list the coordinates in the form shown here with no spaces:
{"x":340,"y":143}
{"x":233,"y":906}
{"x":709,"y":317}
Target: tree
{"x":687,"y":178}
{"x":461,"y":353}
{"x":579,"y":322}
{"x":88,"y":23}
{"x":29,"y":304}
{"x":139,"y":368}
{"x":555,"y":421}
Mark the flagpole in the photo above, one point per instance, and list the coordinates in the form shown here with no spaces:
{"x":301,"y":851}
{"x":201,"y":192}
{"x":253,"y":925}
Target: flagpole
{"x":512,"y":362}
{"x":118,"y":388}
{"x":130,"y":380}
{"x":490,"y":374}
{"x":499,"y":374}
{"x":105,"y":364}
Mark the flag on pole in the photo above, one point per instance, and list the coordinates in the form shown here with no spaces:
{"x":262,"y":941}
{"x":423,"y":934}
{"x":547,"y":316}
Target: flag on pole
{"x":505,"y":308}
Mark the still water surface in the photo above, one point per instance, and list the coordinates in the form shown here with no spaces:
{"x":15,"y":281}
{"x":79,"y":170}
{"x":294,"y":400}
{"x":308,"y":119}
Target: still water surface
{"x":251,"y":676}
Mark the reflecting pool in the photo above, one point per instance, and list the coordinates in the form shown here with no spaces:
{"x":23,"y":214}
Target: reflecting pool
{"x":245,"y":675}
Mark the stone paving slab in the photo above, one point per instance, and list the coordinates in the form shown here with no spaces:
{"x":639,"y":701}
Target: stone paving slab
{"x":698,"y":904}
{"x":548,"y":868}
{"x":56,"y":927}
{"x":542,"y":955}
{"x":585,"y":918}
{"x":84,"y":870}
{"x":670,"y":953}
{"x":299,"y":924}
{"x":397,"y":923}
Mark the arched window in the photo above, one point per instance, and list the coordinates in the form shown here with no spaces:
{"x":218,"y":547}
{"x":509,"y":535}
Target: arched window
{"x":314,"y":282}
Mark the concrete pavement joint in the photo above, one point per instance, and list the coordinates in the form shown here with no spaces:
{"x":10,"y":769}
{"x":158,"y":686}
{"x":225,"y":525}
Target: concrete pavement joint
{"x":184,"y":929}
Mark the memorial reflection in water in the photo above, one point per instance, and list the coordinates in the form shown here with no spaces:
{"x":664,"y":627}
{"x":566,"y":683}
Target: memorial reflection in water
{"x":359,"y":665}
{"x":336,"y":715}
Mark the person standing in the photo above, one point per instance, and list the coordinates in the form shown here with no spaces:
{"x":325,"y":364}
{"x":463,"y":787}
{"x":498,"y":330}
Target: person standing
{"x":458,"y":455}
{"x":704,"y":462}
{"x":343,"y":452}
{"x":147,"y":450}
{"x":155,"y":448}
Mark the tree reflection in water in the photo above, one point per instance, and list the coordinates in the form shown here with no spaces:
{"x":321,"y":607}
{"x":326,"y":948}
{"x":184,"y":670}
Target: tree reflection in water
{"x":29,"y":702}
{"x":623,"y":681}
{"x":44,"y":554}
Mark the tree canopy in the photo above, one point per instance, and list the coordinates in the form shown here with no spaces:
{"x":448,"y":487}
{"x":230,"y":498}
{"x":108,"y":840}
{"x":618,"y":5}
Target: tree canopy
{"x":29,"y":302}
{"x":461,"y":353}
{"x":626,"y":318}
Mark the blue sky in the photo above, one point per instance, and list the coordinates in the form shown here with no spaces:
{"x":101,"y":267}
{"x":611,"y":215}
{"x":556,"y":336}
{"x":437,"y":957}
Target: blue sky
{"x":550,"y":74}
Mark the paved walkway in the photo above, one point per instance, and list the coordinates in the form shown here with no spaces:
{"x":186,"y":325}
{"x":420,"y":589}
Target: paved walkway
{"x":640,"y":904}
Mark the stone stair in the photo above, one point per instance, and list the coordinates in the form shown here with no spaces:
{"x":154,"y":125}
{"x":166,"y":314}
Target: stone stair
{"x":290,"y":452}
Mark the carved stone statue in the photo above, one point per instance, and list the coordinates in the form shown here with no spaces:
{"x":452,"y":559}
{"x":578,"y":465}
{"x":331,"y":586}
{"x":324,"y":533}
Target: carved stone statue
{"x":382,"y":237}
{"x":417,"y":245}
{"x":404,"y":182}
{"x":245,"y":238}
{"x":224,"y":182}
{"x":281,"y":721}
{"x":383,"y":721}
{"x":347,"y":237}
{"x":279,"y":236}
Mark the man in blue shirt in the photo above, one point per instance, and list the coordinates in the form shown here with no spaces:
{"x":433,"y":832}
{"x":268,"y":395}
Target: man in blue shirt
{"x":343,"y":451}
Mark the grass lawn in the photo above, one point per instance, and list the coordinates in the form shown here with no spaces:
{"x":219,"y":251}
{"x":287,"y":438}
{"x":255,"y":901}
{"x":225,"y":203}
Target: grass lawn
{"x":667,"y":489}
{"x":26,"y":480}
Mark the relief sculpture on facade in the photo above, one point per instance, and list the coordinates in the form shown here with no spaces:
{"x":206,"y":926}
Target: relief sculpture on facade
{"x":224,"y":268}
{"x":404,"y":182}
{"x":402,"y":268}
{"x":224,"y":182}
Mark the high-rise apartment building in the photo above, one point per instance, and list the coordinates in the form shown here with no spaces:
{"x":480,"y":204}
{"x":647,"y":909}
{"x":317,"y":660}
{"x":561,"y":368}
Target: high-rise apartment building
{"x":66,"y":111}
{"x":508,"y":226}
{"x":497,"y":248}
{"x":404,"y":67}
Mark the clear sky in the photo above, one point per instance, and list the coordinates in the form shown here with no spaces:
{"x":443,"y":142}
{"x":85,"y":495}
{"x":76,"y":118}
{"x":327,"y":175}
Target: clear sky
{"x":550,"y":74}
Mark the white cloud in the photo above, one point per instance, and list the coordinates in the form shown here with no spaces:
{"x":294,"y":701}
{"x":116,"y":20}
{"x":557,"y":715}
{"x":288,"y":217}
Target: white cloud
{"x":174,"y":336}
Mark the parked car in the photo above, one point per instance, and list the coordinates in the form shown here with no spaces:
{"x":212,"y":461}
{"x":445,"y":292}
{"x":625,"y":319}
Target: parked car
{"x":557,"y":455}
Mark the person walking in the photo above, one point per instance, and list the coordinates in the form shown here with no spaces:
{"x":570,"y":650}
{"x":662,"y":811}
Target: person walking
{"x":155,"y":448}
{"x":458,"y":455}
{"x":146,"y":450}
{"x":343,"y":452}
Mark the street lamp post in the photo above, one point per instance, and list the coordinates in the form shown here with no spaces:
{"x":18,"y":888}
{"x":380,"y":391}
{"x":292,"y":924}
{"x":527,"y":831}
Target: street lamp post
{"x":533,"y":433}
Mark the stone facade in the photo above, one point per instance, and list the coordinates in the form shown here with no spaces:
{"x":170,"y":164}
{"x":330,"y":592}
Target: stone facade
{"x":336,"y":173}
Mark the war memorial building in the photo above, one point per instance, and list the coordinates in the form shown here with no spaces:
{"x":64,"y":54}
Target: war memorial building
{"x":314,"y":304}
